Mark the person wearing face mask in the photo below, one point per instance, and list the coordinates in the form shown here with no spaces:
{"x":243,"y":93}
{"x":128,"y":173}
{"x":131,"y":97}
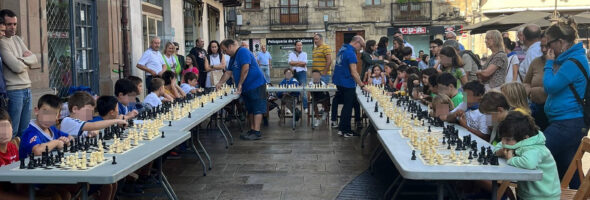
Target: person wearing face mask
{"x":562,"y":79}
{"x":467,"y":114}
{"x":42,"y":133}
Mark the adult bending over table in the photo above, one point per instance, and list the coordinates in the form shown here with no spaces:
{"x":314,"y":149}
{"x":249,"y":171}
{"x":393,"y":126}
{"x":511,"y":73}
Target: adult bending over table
{"x":251,"y":84}
{"x":345,"y":78}
{"x":565,"y":115}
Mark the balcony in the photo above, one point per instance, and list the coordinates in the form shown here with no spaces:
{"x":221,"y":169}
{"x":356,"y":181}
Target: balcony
{"x":411,"y":13}
{"x":288,"y":18}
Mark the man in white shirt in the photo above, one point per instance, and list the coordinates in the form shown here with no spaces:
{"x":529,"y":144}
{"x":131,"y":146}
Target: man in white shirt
{"x":298,"y":62}
{"x":532,"y":39}
{"x":406,"y":43}
{"x":152,"y":62}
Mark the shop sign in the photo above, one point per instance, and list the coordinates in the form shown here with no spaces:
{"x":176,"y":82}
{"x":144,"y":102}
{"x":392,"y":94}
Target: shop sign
{"x":413,"y":30}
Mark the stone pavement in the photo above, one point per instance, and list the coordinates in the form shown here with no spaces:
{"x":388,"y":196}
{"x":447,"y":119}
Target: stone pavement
{"x":285,"y":164}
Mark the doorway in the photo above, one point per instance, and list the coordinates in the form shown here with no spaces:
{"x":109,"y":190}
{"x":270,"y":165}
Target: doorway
{"x":344,"y":37}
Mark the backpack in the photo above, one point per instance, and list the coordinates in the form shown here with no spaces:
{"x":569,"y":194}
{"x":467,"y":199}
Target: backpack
{"x":584,"y":102}
{"x":473,"y":56}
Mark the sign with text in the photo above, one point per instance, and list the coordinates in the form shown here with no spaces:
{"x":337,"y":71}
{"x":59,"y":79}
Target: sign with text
{"x":288,"y":41}
{"x":280,"y":48}
{"x":413,"y":30}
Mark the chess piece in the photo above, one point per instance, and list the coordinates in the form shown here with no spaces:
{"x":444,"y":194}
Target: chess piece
{"x":443,"y":142}
{"x":163,"y":134}
{"x":22,"y":163}
{"x":429,"y":130}
{"x":189,"y":114}
{"x":381,"y":115}
{"x":449,"y":147}
{"x":413,"y":154}
{"x":114,"y":160}
{"x":387,"y":120}
{"x":470,"y":156}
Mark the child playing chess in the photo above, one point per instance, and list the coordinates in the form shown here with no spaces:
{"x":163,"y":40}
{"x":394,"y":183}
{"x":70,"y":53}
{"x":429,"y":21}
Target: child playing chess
{"x":441,"y":105}
{"x":107,"y":108}
{"x":8,"y":150}
{"x":447,"y":85}
{"x":468,"y":114}
{"x":190,"y":82}
{"x":81,"y":106}
{"x":400,"y":80}
{"x":42,"y":134}
{"x":125,"y":91}
{"x":287,"y":99}
{"x":319,"y":97}
{"x":139,"y":84}
{"x":523,"y":146}
{"x":377,"y":77}
{"x":495,"y":104}
{"x":157,"y":94}
{"x":170,"y":86}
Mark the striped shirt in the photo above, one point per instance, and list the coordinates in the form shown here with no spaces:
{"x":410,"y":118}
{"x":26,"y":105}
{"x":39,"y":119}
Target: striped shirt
{"x":319,"y":57}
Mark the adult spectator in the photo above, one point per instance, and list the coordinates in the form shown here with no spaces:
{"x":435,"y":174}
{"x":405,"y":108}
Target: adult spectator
{"x":469,"y":64}
{"x":345,"y":78}
{"x":216,"y":64}
{"x":298,"y":62}
{"x":399,"y":34}
{"x":322,"y":57}
{"x":520,"y":48}
{"x":369,"y":57}
{"x":181,"y":58}
{"x":533,"y":83}
{"x":451,"y":63}
{"x":435,"y":46}
{"x":493,"y":73}
{"x":201,"y":55}
{"x":382,"y":51}
{"x":251,"y":84}
{"x":450,"y":35}
{"x":396,"y":53}
{"x":171,"y":60}
{"x":3,"y":98}
{"x":264,"y":61}
{"x":512,"y":74}
{"x":151,"y":62}
{"x":565,"y":113}
{"x":17,"y":60}
{"x":532,"y":37}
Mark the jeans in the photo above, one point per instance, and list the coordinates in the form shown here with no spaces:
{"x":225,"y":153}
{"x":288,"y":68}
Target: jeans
{"x":148,"y":83}
{"x":563,"y":139}
{"x":326,"y":78}
{"x":346,"y":96}
{"x":301,"y":76}
{"x":356,"y":106}
{"x":19,"y":109}
{"x":538,"y":112}
{"x":266,"y":72}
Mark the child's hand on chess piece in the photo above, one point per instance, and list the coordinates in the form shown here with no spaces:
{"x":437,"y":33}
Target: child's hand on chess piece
{"x":121,"y":122}
{"x":92,"y":133}
{"x":131,"y":114}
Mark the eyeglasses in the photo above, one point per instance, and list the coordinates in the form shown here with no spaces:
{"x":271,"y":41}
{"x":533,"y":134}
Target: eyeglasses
{"x":552,"y":41}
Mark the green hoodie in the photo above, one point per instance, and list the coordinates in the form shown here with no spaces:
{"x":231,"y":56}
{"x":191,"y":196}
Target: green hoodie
{"x":531,"y":153}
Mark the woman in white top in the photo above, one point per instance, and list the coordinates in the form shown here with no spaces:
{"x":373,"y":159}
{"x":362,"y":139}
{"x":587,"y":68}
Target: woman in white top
{"x":171,"y":59}
{"x":513,"y":62}
{"x":216,"y":64}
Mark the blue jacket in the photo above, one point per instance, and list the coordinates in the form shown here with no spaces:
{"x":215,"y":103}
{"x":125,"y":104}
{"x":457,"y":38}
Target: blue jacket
{"x":285,"y":83}
{"x":2,"y":81}
{"x":561,"y":103}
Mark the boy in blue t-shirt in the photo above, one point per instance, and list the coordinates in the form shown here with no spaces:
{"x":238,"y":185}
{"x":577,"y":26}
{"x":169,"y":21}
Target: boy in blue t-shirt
{"x":287,"y":99}
{"x":137,"y":104}
{"x":42,"y":133}
{"x":107,"y":108}
{"x":125,"y":91}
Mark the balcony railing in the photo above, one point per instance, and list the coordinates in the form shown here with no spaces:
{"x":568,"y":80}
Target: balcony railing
{"x":286,"y":15}
{"x":411,"y":12}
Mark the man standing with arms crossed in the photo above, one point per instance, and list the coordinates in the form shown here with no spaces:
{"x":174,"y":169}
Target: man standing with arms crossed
{"x":251,"y":84}
{"x":298,"y":63}
{"x":151,"y":62}
{"x":345,"y":78}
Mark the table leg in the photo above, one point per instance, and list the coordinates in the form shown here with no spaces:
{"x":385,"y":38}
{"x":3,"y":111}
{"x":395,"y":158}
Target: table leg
{"x":399,"y":188}
{"x":223,"y":134}
{"x":32,"y":191}
{"x":397,"y":179}
{"x":312,"y":109}
{"x":374,"y":156}
{"x":441,"y":191}
{"x":84,"y":191}
{"x":494,"y":189}
{"x":165,"y":185}
{"x":294,"y":112}
{"x":204,"y":150}
{"x":231,"y":138}
{"x":364,"y":134}
{"x":192,"y":146}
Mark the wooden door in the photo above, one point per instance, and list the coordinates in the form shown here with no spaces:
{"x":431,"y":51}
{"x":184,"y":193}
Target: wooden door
{"x":344,"y":37}
{"x":289,"y":11}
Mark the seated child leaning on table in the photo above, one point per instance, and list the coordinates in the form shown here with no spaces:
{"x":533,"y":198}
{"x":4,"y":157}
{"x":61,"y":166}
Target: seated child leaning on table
{"x":467,"y":114}
{"x":81,"y":106}
{"x":523,"y":146}
{"x":441,"y":105}
{"x":287,"y":99}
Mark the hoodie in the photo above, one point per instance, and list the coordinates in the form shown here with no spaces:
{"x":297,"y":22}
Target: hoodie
{"x":561,"y":103}
{"x":531,"y":153}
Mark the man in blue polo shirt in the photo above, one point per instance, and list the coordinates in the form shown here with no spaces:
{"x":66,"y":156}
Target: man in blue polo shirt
{"x":251,"y":84}
{"x":345,"y":78}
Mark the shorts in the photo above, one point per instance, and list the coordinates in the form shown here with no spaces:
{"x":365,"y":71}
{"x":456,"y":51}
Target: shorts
{"x":255,"y":100}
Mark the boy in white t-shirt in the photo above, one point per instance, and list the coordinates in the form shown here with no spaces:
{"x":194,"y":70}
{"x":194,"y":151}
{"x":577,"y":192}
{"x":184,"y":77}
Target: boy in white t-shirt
{"x":190,"y":82}
{"x":467,"y":114}
{"x":157,"y":94}
{"x":81,"y":107}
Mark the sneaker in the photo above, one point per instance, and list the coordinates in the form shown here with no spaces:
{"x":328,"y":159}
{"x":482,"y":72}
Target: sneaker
{"x":253,"y":136}
{"x":340,"y":133}
{"x":243,"y":135}
{"x":317,"y":122}
{"x":287,"y":111}
{"x":334,"y":124}
{"x":347,"y":135}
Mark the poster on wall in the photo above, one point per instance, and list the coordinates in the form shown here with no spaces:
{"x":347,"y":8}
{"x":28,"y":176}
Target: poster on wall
{"x":256,"y":45}
{"x":280,"y":48}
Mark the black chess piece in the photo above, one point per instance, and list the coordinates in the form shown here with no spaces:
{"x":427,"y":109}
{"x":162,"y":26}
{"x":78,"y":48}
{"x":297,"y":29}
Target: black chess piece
{"x":367,"y":99}
{"x":189,"y":114}
{"x":169,"y":123}
{"x":387,"y":120}
{"x":202,"y":105}
{"x":429,"y":130}
{"x":22,"y":163}
{"x":413,"y":154}
{"x":444,"y":142}
{"x":449,"y":147}
{"x":470,"y":156}
{"x":381,"y":114}
{"x":163,"y":134}
{"x":475,"y":153}
{"x":65,"y":146}
{"x":371,"y":99}
{"x":212,"y":100}
{"x":376,"y":106}
{"x":485,"y":161}
{"x":480,"y":159}
{"x":114,"y":160}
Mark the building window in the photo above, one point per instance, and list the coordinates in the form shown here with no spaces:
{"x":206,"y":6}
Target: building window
{"x":372,"y":2}
{"x":325,"y":3}
{"x":252,"y":4}
{"x":155,"y":2}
